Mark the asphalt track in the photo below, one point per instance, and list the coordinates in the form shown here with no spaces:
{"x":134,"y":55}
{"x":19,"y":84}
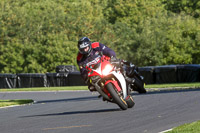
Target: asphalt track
{"x":83,"y":112}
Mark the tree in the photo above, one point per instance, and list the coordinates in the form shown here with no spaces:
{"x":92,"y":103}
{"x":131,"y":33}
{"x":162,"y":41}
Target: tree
{"x":190,"y":7}
{"x":36,"y":36}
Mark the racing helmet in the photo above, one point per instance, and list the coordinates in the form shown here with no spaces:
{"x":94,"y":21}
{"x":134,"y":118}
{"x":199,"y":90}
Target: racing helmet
{"x":83,"y":43}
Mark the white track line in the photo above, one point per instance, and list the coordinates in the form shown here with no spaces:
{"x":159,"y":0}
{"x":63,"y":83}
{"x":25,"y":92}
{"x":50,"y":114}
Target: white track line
{"x":166,"y":130}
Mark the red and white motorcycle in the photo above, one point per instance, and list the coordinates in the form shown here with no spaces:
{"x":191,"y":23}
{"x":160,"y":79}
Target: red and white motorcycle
{"x":107,"y":78}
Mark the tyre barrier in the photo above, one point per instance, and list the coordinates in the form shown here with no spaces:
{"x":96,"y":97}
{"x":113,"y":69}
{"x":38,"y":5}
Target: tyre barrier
{"x":148,"y":74}
{"x":165,"y":74}
{"x":28,"y":80}
{"x":151,"y":74}
{"x":64,"y":79}
{"x":57,"y":79}
{"x":171,"y":74}
{"x":8,"y":80}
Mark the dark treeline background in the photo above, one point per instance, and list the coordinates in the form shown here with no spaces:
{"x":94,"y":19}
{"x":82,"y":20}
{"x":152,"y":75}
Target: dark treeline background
{"x":38,"y":35}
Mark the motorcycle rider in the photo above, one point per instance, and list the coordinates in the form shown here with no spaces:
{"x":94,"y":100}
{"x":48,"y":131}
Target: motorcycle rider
{"x":87,"y":51}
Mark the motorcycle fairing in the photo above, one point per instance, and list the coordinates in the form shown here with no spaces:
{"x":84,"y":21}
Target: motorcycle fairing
{"x":122,"y":82}
{"x":115,"y":84}
{"x":117,"y":74}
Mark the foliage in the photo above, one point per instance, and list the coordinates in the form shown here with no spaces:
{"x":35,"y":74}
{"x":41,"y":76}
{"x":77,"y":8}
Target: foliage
{"x":4,"y":103}
{"x":189,"y":7}
{"x":36,"y":36}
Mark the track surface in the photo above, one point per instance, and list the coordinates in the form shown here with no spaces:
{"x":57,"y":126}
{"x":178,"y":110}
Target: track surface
{"x":82,"y":111}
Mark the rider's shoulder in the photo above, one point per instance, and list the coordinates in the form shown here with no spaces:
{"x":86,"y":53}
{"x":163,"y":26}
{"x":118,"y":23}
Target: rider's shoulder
{"x":95,"y":44}
{"x":79,"y":56}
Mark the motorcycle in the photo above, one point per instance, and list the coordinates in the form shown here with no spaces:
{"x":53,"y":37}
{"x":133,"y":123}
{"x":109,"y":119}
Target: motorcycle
{"x":107,"y":78}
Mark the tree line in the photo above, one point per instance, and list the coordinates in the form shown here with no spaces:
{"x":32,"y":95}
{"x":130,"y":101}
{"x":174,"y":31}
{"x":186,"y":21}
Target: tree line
{"x":38,"y":35}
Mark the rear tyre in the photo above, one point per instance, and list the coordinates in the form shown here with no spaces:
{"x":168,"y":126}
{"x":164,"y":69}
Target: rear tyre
{"x":116,"y":98}
{"x":129,"y":101}
{"x":139,"y":86}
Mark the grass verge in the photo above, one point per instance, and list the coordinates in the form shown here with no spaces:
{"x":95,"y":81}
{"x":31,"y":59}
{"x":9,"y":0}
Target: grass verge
{"x":47,"y":88}
{"x":192,"y":85}
{"x":4,"y":103}
{"x":64,"y":88}
{"x":187,"y":128}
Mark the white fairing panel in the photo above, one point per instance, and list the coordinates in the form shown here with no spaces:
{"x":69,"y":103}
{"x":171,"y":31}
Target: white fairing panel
{"x":119,"y":76}
{"x":122,"y":81}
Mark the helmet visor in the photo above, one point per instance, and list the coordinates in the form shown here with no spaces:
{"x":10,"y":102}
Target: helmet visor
{"x":84,"y":47}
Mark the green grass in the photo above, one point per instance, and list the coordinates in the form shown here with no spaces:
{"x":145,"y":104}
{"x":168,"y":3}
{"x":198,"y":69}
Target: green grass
{"x":187,"y":128}
{"x":4,"y":103}
{"x":193,"y":85}
{"x":47,"y":88}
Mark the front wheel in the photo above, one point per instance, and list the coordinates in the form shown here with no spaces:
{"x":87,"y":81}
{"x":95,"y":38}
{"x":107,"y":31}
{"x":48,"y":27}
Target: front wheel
{"x":118,"y":99}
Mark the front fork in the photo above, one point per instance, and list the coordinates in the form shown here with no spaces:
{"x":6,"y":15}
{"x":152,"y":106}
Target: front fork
{"x":101,"y":92}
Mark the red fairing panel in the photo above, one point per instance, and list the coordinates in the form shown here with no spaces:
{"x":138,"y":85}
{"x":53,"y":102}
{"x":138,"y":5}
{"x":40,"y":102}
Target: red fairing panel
{"x":114,"y":83}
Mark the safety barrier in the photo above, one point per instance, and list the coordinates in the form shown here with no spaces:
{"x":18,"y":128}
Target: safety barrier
{"x":8,"y":80}
{"x":171,"y":74}
{"x":151,"y":74}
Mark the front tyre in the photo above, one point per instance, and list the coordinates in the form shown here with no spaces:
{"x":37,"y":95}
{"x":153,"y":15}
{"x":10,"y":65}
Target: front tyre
{"x":118,"y":99}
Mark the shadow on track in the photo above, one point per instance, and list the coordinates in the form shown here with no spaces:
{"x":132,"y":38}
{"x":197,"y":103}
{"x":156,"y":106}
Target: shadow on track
{"x":70,"y":100}
{"x":160,"y":91}
{"x":77,"y":112}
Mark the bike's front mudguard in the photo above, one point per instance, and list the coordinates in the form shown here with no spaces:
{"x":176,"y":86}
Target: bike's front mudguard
{"x":122,"y":81}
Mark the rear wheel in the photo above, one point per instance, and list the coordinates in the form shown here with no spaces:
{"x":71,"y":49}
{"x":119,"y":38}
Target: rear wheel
{"x":118,"y":99}
{"x":139,"y":85}
{"x":129,"y":101}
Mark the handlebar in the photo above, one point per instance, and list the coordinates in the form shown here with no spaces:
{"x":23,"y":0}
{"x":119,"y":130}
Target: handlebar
{"x":112,"y":60}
